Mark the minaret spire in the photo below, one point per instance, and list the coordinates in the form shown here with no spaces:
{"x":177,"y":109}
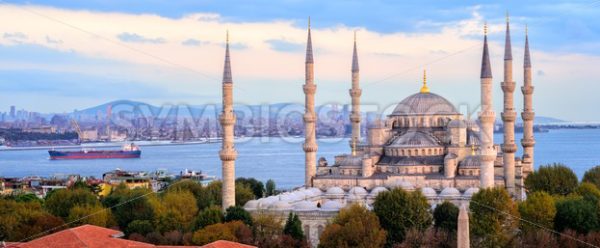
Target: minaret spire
{"x":355,"y":93}
{"x":508,"y":115}
{"x":228,"y":154}
{"x":487,"y":117}
{"x":310,"y":141}
{"x":424,"y":88}
{"x":528,"y":141}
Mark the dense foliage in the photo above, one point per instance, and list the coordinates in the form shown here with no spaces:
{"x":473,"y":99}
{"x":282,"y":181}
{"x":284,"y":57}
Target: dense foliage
{"x":494,"y":218}
{"x":537,"y":211}
{"x":555,"y":179}
{"x":592,"y":176}
{"x":446,"y":216}
{"x":399,"y":211}
{"x":354,"y":226}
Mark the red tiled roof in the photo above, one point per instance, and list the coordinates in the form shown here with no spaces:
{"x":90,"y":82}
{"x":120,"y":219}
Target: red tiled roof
{"x":88,"y":236}
{"x":226,"y":244}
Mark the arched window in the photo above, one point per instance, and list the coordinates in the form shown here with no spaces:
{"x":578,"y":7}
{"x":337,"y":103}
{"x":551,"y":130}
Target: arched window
{"x":307,"y":231}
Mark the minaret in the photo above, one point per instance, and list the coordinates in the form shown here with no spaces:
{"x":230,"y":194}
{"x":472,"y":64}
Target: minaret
{"x":486,"y":118}
{"x":528,"y":141}
{"x":355,"y":93}
{"x":508,"y":115}
{"x":310,"y":118}
{"x":228,"y":153}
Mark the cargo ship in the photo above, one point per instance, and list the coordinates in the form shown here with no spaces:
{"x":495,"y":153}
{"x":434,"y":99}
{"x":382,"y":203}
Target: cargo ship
{"x":127,"y":151}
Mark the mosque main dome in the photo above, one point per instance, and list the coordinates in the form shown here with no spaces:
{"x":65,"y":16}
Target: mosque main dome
{"x":424,"y":103}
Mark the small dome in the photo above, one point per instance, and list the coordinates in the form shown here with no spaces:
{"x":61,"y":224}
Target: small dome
{"x":305,"y":206}
{"x":350,"y":160}
{"x":251,"y":205}
{"x":457,"y":124}
{"x":450,"y":192}
{"x":376,"y":191}
{"x":358,"y":191}
{"x":335,"y":191}
{"x":266,"y":202}
{"x":428,"y":192}
{"x":315,"y":191}
{"x":331,"y":206}
{"x":424,"y":104}
{"x":470,"y":192}
{"x":280,"y":205}
{"x":471,"y":161}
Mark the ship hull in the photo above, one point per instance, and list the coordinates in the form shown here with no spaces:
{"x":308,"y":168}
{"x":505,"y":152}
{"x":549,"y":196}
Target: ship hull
{"x":58,"y":155}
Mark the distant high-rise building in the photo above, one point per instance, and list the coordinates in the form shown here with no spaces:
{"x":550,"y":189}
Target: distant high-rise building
{"x":13,"y":111}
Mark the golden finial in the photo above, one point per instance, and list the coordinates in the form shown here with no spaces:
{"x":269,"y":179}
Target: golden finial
{"x":485,"y":28}
{"x":507,"y":17}
{"x":354,"y":36}
{"x":526,"y":29}
{"x":472,"y":150}
{"x":227,"y":36}
{"x":308,"y":22}
{"x":424,"y":89}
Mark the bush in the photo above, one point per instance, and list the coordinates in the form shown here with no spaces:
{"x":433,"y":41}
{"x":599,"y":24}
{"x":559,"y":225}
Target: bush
{"x":400,"y":211}
{"x":446,"y":216}
{"x":539,"y":208}
{"x":556,"y":179}
{"x":354,"y":226}
{"x":577,"y":214}
{"x":238,"y":213}
{"x":209,"y":216}
{"x":592,"y":176}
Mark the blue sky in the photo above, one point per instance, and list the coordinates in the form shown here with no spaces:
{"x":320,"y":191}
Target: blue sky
{"x":81,"y":53}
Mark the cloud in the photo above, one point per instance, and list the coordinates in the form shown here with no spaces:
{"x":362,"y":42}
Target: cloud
{"x":194,"y":42}
{"x":15,"y":36}
{"x":53,"y":41}
{"x":136,"y":38}
{"x":284,"y":46}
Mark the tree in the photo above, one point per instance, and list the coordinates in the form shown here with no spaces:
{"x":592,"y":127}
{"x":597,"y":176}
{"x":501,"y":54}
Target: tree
{"x":577,"y":214}
{"x":556,"y":179}
{"x":293,"y":227}
{"x":209,"y":216}
{"x":256,"y":186}
{"x":238,"y":213}
{"x":270,"y":187}
{"x":180,"y":208}
{"x":494,"y":218}
{"x":235,"y":231}
{"x":400,"y":211}
{"x":131,"y":204}
{"x":592,"y":176}
{"x":20,"y":220}
{"x":446,"y":216}
{"x":191,"y":186}
{"x":61,"y":201}
{"x":211,"y":195}
{"x":354,"y":226}
{"x":141,"y":227}
{"x":89,"y":214}
{"x":589,"y":192}
{"x":243,"y":194}
{"x":267,"y":231}
{"x":539,"y":208}
{"x":27,"y":198}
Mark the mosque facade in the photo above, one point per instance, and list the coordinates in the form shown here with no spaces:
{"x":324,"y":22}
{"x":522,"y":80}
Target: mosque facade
{"x":425,"y":144}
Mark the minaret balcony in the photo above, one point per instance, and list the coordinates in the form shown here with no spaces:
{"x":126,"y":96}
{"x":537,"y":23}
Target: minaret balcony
{"x":527,"y":116}
{"x":227,"y":118}
{"x":509,"y":116}
{"x":508,"y":86}
{"x":310,"y":147}
{"x":487,"y":116}
{"x":355,"y":92}
{"x":355,"y":117}
{"x":309,"y":118}
{"x":528,"y":142}
{"x":527,"y":90}
{"x":509,"y":148}
{"x":228,"y":154}
{"x":309,"y":89}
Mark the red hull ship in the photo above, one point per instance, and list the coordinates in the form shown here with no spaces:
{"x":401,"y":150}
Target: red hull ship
{"x":128,"y":151}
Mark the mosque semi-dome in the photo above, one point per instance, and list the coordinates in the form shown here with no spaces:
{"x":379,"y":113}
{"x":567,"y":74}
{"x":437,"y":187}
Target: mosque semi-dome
{"x":424,"y":104}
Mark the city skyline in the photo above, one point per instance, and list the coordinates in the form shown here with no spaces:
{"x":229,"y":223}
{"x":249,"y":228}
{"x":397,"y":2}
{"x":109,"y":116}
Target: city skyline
{"x":174,"y":54}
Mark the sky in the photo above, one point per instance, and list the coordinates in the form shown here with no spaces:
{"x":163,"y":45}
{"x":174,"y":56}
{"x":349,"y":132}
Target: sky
{"x":57,"y":56}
